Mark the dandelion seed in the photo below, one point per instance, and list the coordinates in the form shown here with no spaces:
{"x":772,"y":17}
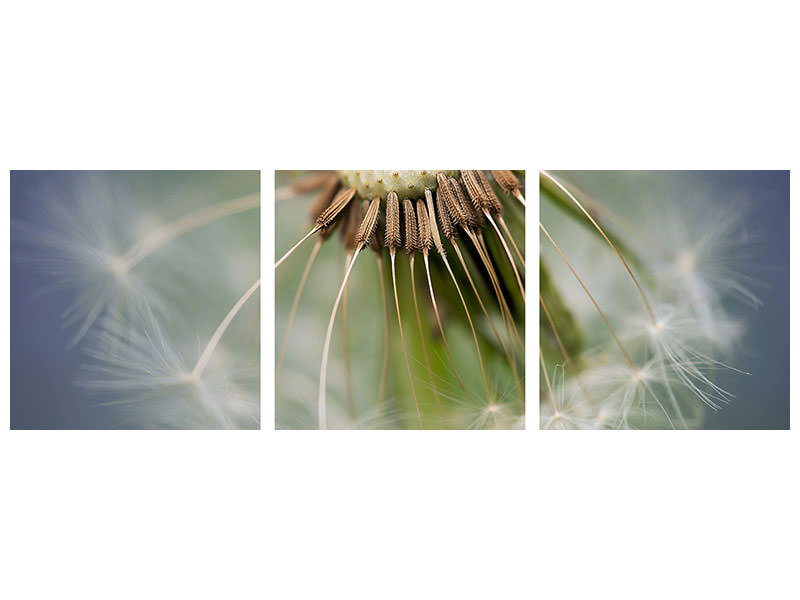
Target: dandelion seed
{"x":365,"y":231}
{"x":667,"y":340}
{"x":510,"y":184}
{"x":393,"y":242}
{"x":143,"y":365}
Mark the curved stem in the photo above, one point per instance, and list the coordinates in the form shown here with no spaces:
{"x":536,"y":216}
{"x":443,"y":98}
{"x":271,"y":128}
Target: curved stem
{"x":441,"y":328}
{"x":572,"y":197}
{"x":472,"y":328}
{"x":508,"y":253}
{"x":547,"y":381}
{"x":594,"y":302}
{"x":296,"y":246}
{"x":351,"y":407}
{"x":511,"y":359}
{"x":403,"y":339}
{"x":385,"y":368}
{"x":508,"y":320}
{"x":422,"y":336}
{"x":293,"y":312}
{"x":205,"y":357}
{"x":322,"y":406}
{"x":563,"y":349}
{"x":168,"y":232}
{"x":502,"y":222}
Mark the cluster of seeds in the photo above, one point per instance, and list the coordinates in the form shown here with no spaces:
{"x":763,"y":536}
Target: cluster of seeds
{"x":423,"y":210}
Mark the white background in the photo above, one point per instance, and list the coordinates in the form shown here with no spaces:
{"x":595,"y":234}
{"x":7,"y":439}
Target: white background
{"x":196,"y":85}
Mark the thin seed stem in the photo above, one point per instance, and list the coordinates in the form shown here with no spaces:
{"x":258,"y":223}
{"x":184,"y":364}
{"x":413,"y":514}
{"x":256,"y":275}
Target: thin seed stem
{"x":508,"y":320}
{"x":511,"y":360}
{"x":440,"y":248}
{"x":169,"y":231}
{"x":502,"y":222}
{"x":441,"y":328}
{"x":504,"y":311}
{"x":588,"y":293}
{"x":314,"y":230}
{"x":496,"y":279}
{"x":363,"y":236}
{"x":351,"y":408}
{"x":205,"y":357}
{"x":508,"y":253}
{"x":293,"y":312}
{"x":392,"y":254}
{"x":572,"y":197}
{"x":518,"y":195}
{"x":322,"y":406}
{"x":567,"y":358}
{"x":422,"y":335}
{"x":547,"y":381}
{"x":622,"y":222}
{"x":385,"y":368}
{"x":455,"y":245}
{"x":472,"y":328}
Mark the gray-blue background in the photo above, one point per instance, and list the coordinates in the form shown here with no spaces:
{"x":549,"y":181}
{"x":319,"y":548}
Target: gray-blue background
{"x":762,"y":398}
{"x":42,"y":371}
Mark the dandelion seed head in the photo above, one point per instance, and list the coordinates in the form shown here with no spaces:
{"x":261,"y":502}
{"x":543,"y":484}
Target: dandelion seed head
{"x":686,"y":262}
{"x":118,"y":267}
{"x":493,"y":416}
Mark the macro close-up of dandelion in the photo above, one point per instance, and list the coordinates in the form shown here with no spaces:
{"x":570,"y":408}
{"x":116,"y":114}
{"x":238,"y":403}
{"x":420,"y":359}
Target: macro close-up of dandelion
{"x":663,"y":300}
{"x":400,"y":299}
{"x":135,"y":299}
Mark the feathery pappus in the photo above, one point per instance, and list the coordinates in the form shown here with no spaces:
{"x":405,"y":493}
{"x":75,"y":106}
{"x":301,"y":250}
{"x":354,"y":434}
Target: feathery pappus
{"x":158,"y":270}
{"x":636,"y":297}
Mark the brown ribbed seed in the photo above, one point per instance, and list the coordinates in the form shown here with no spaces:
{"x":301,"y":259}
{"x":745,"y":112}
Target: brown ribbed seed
{"x":412,"y":235}
{"x":473,"y":218}
{"x":456,"y":199}
{"x":493,"y":201}
{"x":323,"y":201}
{"x":475,"y":191}
{"x":424,"y":229}
{"x":392,"y":221}
{"x":506,"y":180}
{"x":448,"y":196}
{"x":448,"y":230}
{"x":370,"y":222}
{"x":324,"y":198}
{"x":373,"y":242}
{"x":337,"y":205}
